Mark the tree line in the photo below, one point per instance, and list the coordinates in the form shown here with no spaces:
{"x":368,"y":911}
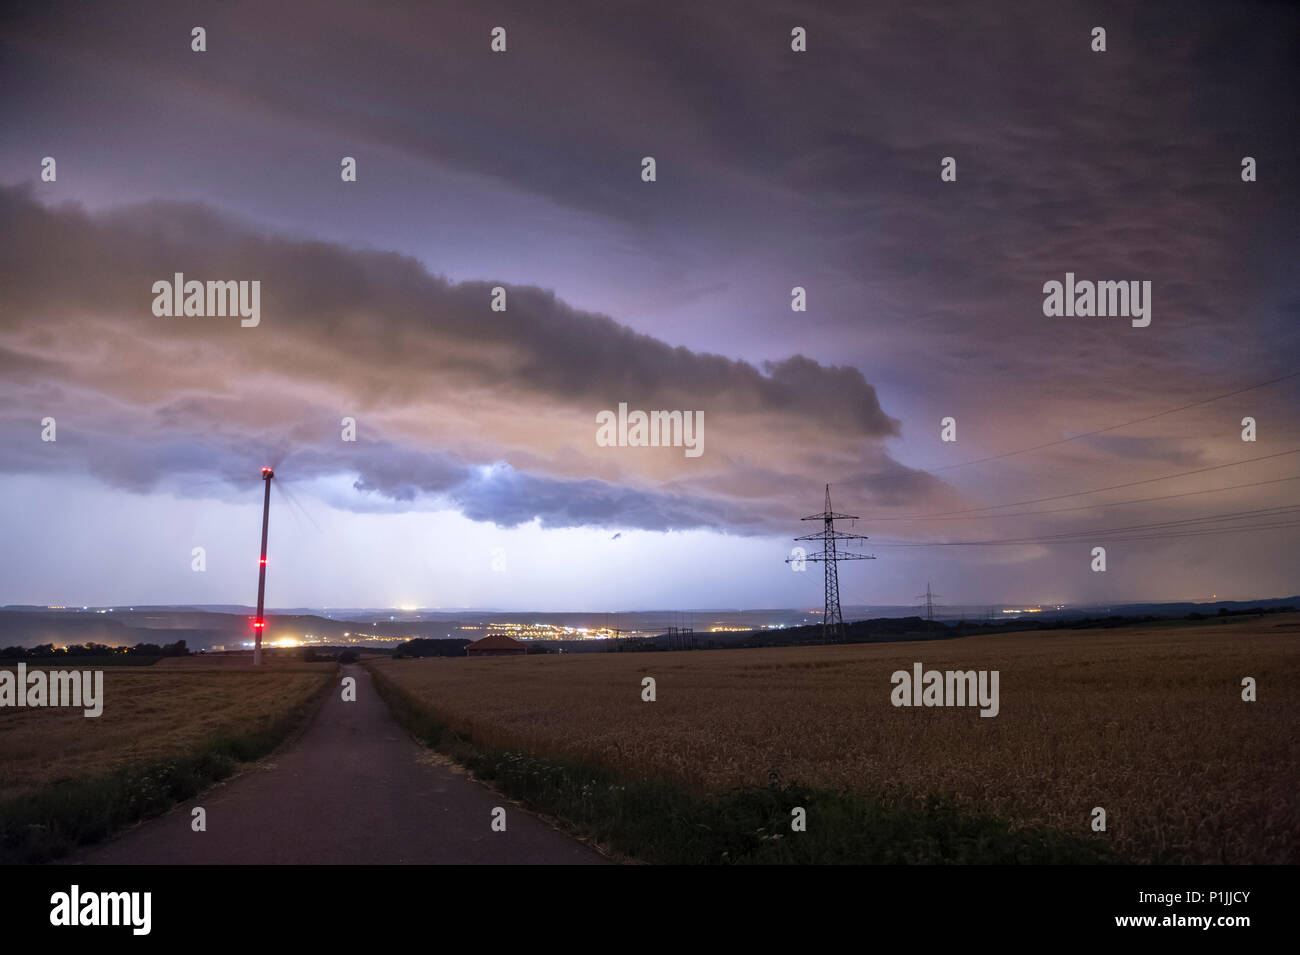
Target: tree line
{"x":44,"y":650}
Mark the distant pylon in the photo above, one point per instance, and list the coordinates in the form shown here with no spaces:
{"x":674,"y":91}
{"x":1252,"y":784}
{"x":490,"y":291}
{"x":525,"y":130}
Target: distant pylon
{"x":929,"y":601}
{"x":832,"y":618}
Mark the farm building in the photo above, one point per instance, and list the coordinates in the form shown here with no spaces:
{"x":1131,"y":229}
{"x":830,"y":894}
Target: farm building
{"x":495,"y":645}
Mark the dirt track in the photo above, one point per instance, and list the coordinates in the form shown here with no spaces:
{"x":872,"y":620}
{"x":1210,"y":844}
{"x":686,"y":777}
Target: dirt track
{"x":354,"y":788}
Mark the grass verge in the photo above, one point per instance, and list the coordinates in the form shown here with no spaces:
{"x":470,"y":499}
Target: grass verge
{"x":43,"y":825}
{"x":657,"y":821}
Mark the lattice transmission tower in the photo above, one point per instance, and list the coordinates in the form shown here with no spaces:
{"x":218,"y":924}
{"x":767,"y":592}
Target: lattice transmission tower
{"x":829,"y":556}
{"x":928,"y":596}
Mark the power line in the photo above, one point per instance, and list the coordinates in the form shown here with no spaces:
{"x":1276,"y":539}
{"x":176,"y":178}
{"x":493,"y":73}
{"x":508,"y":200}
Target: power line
{"x":1148,"y":537}
{"x":293,"y":501}
{"x":1213,"y":518}
{"x":1211,"y":531}
{"x":1126,"y":424}
{"x":1089,"y":434}
{"x":1114,"y":487}
{"x":1274,"y":510}
{"x":1074,"y":540}
{"x":1085,"y":507}
{"x":1183,"y":527}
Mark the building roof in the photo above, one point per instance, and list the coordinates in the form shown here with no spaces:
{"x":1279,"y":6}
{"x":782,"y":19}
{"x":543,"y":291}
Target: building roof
{"x":497,"y":641}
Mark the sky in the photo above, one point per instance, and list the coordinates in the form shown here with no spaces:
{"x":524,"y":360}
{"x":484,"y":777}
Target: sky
{"x":476,"y":477}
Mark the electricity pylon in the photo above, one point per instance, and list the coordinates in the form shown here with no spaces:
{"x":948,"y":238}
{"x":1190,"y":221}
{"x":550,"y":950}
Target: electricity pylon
{"x":929,"y":601}
{"x":830,"y":556}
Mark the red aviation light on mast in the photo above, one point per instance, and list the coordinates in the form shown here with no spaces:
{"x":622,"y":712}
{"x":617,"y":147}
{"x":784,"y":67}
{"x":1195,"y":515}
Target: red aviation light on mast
{"x":259,"y":625}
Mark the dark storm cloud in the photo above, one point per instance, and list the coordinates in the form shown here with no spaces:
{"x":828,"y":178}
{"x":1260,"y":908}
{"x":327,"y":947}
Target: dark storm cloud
{"x":1108,"y":165}
{"x":774,"y":169}
{"x":333,"y":310}
{"x":452,"y":384}
{"x":508,"y":497}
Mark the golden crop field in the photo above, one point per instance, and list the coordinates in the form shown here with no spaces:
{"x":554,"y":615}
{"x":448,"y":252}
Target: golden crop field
{"x":150,"y":713}
{"x":1147,"y":723}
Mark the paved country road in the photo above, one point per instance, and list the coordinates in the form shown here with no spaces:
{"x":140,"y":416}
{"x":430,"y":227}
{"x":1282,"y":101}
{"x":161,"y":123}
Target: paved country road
{"x":354,"y":788}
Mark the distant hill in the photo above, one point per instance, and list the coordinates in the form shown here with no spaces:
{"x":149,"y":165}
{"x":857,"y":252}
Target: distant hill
{"x":1181,"y":609}
{"x":203,"y":628}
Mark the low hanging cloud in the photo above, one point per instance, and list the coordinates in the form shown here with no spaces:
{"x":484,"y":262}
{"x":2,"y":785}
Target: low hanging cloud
{"x":490,"y":412}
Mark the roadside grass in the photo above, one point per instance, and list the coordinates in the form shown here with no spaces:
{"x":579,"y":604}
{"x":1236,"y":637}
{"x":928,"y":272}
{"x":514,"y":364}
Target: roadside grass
{"x":48,"y":822}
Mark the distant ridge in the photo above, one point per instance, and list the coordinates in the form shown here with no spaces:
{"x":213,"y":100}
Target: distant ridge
{"x":227,"y":626}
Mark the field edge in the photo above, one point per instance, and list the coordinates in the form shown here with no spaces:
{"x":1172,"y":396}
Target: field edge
{"x":61,"y":817}
{"x":657,"y":821}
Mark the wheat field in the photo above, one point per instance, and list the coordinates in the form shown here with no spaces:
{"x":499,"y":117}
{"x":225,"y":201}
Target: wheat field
{"x":1147,"y":723}
{"x":150,"y":713}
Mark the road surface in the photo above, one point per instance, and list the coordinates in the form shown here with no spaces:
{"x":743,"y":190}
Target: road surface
{"x":354,"y":788}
